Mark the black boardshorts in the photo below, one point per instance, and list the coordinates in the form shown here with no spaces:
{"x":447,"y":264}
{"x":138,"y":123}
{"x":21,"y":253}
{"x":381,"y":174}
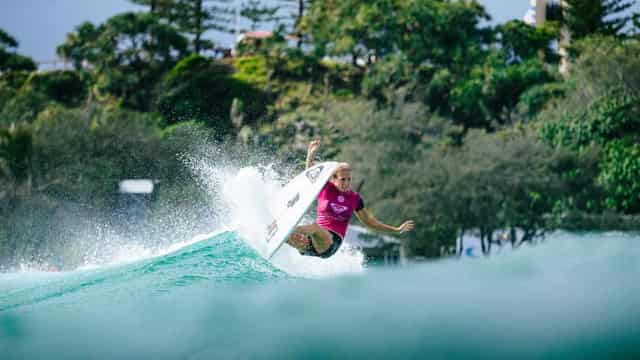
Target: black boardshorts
{"x":311,"y":250}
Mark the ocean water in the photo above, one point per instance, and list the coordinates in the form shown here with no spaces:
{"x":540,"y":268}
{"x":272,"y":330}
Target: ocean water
{"x":216,"y":297}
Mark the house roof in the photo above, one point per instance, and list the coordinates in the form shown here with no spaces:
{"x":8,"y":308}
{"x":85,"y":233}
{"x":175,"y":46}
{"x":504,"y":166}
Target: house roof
{"x":257,"y":34}
{"x":263,"y":35}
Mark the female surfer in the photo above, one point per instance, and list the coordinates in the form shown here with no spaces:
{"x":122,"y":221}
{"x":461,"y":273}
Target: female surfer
{"x":336,"y":204}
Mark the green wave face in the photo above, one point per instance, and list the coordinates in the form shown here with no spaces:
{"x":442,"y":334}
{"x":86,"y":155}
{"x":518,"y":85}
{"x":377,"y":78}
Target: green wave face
{"x":222,"y":259}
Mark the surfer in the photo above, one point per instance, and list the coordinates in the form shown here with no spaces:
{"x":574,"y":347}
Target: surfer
{"x":336,"y":204}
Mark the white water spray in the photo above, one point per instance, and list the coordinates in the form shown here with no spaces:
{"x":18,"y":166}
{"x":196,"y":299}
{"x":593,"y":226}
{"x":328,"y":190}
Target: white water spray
{"x":248,"y":192}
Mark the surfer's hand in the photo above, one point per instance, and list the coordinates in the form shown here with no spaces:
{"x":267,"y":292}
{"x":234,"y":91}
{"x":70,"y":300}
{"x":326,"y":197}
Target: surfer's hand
{"x":406,"y":226}
{"x":312,"y":148}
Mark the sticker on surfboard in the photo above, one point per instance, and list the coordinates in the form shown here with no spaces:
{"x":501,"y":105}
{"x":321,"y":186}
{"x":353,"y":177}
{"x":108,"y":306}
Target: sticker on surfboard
{"x":293,"y":201}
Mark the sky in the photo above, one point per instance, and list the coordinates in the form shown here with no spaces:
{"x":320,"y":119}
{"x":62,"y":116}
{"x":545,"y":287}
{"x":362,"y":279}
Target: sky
{"x":41,"y":25}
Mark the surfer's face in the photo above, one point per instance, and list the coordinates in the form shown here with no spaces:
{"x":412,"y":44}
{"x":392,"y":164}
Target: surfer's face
{"x":342,"y":180}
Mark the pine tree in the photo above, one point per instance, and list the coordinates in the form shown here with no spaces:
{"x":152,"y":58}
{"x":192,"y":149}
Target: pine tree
{"x":298,"y":10}
{"x":258,"y":14}
{"x":195,"y":17}
{"x":9,"y":60}
{"x":7,"y":40}
{"x":586,"y":17}
{"x":164,"y":9}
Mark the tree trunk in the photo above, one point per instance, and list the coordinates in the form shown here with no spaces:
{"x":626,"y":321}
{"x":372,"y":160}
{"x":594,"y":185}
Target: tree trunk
{"x":198,"y":26}
{"x":297,"y":21}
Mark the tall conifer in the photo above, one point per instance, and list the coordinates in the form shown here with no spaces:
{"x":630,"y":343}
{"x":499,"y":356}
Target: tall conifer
{"x":586,"y":17}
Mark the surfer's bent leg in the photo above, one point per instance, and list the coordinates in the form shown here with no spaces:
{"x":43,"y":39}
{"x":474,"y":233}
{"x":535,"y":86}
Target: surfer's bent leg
{"x":320,"y":238}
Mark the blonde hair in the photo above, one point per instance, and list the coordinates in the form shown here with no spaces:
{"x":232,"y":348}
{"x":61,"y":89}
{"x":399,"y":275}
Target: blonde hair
{"x":343,"y":166}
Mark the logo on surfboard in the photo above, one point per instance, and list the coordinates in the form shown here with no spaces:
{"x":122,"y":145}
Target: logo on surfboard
{"x":312,"y":174}
{"x":271,"y":230}
{"x":293,"y":200}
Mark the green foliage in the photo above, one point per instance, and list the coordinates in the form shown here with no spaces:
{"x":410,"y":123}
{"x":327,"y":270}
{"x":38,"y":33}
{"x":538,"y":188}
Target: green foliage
{"x":521,"y":42}
{"x":605,"y":63}
{"x":14,"y":79}
{"x":16,"y":151}
{"x":84,"y":45}
{"x":65,"y":87}
{"x":587,"y":17}
{"x":506,"y":180}
{"x":30,"y":93}
{"x":251,"y":69}
{"x":613,"y":123}
{"x":82,"y":153}
{"x":202,"y":89}
{"x":15,"y":62}
{"x":6,"y":40}
{"x":504,"y":85}
{"x":442,"y":33}
{"x":489,"y":96}
{"x":22,"y":106}
{"x":10,"y":61}
{"x":389,"y":76}
{"x":620,"y":174}
{"x":607,"y":119}
{"x":128,"y":55}
{"x":164,"y":9}
{"x":258,"y":14}
{"x":196,"y":17}
{"x":533,"y":100}
{"x":601,"y":109}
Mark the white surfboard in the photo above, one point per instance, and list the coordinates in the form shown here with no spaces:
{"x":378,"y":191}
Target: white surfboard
{"x":293,"y":201}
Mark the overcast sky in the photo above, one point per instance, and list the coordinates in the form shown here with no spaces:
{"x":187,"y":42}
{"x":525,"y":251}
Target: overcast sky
{"x":41,"y":25}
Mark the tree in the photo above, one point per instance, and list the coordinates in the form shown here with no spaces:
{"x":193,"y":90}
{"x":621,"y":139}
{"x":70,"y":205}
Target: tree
{"x":65,"y":86}
{"x":600,"y":110}
{"x":298,"y":8}
{"x":586,"y":17}
{"x":258,"y":14}
{"x":164,"y":9}
{"x":520,"y":41}
{"x":195,"y":17}
{"x":127,"y":54}
{"x":442,"y":33}
{"x":361,"y":30}
{"x":7,"y":40}
{"x":9,"y":60}
{"x":202,"y":89}
{"x":16,"y":152}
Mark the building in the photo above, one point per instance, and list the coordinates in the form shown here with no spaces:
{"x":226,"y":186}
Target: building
{"x":378,"y":248}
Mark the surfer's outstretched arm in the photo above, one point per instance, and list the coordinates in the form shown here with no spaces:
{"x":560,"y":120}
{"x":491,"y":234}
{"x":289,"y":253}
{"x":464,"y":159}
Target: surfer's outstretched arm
{"x":365,"y":216}
{"x":311,"y":152}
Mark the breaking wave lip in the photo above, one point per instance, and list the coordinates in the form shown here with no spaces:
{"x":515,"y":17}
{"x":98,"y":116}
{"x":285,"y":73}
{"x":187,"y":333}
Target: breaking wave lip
{"x":135,"y":253}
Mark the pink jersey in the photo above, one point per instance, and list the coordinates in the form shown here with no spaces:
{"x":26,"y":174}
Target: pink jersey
{"x":335,"y":208}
